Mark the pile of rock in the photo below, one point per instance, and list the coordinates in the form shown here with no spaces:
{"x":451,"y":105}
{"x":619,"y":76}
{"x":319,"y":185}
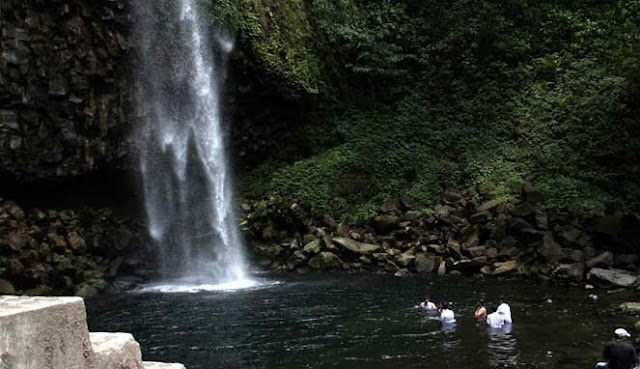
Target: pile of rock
{"x":60,"y":252}
{"x":460,"y":235}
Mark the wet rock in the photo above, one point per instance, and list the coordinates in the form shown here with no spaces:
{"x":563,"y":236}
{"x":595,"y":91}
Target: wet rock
{"x":550,"y":249}
{"x":472,"y":240}
{"x":576,"y":256}
{"x":17,"y":241}
{"x":523,"y":210}
{"x":488,"y":206}
{"x":452,"y":196}
{"x":355,"y":246}
{"x":312,"y":247}
{"x":436,"y":249}
{"x":411,"y":204}
{"x":481,"y":217}
{"x":631,"y":307}
{"x":467,"y":265}
{"x":506,"y":267}
{"x":616,"y":277}
{"x":343,"y":229}
{"x":391,"y":267}
{"x":6,"y":287}
{"x":477,"y":251}
{"x":391,"y":206}
{"x":15,"y":211}
{"x":574,"y":272}
{"x":405,"y":259}
{"x":325,"y":260}
{"x":603,"y":260}
{"x":519,"y":224}
{"x":424,"y":264}
{"x":15,"y":268}
{"x":383,"y":224}
{"x":67,"y":215}
{"x":76,"y":241}
{"x":364,"y":259}
{"x":570,"y":235}
{"x":39,"y":215}
{"x":269,"y":250}
{"x":296,"y":259}
{"x":492,"y":253}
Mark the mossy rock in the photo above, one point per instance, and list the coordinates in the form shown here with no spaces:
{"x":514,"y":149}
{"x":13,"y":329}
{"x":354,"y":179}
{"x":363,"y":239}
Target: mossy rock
{"x":326,"y":260}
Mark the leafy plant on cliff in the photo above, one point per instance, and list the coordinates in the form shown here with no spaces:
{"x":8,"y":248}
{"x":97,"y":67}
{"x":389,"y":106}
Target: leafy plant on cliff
{"x":278,"y":36}
{"x":459,"y":93}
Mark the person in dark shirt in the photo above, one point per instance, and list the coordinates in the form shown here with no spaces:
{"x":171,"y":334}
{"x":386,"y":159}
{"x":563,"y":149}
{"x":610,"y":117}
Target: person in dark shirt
{"x":619,"y":352}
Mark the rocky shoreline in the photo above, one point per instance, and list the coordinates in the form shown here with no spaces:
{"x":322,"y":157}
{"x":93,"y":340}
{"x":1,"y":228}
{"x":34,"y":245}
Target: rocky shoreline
{"x":462,"y":235}
{"x":83,"y":252}
{"x":62,"y":252}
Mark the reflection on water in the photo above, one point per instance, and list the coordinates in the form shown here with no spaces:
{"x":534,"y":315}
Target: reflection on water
{"x":503,"y":350}
{"x":362,"y":322}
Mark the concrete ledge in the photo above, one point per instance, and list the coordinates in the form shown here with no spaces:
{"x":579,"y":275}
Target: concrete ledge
{"x":40,"y":332}
{"x":152,"y":365}
{"x":51,"y":333}
{"x":115,"y":351}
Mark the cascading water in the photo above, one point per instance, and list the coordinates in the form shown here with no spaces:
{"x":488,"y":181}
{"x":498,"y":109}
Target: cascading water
{"x":188,"y":198}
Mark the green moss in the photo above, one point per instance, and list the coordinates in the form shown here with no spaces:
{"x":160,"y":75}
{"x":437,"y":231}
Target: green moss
{"x":279,"y":38}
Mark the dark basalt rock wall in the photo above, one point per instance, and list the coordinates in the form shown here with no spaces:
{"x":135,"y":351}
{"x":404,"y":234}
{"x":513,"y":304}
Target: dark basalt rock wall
{"x":64,"y":87}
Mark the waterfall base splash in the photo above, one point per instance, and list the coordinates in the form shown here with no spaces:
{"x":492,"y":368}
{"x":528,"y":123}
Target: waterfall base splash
{"x":190,"y":285}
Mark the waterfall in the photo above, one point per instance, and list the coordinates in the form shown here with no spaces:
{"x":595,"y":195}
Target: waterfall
{"x":188,"y":199}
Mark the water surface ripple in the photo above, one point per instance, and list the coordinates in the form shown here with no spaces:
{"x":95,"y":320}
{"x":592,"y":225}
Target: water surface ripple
{"x":363,"y":321}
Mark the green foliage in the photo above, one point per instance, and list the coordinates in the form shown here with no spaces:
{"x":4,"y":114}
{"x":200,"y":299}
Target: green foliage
{"x":278,"y":36}
{"x":430,"y":94}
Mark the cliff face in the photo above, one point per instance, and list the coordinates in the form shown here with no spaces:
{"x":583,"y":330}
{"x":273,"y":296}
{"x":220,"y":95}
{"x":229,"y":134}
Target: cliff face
{"x":64,"y":87}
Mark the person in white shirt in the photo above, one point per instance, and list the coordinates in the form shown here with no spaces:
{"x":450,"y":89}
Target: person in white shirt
{"x":428,"y":305}
{"x":505,"y":310}
{"x":446,"y":316}
{"x":495,"y":321}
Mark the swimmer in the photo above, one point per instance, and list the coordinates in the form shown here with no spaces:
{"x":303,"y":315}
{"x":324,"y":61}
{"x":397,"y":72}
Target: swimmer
{"x":446,"y":316}
{"x":428,"y":305}
{"x":505,"y":310}
{"x":481,"y":311}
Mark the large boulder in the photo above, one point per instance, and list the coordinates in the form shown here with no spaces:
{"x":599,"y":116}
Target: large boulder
{"x":616,"y":277}
{"x":506,"y":267}
{"x":355,"y":246}
{"x":326,"y":260}
{"x":425,"y":264}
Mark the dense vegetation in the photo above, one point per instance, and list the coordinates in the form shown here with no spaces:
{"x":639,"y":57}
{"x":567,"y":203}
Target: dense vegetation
{"x":413,"y":97}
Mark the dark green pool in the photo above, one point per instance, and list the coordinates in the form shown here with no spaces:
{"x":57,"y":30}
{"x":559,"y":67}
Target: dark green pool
{"x":364,"y":321}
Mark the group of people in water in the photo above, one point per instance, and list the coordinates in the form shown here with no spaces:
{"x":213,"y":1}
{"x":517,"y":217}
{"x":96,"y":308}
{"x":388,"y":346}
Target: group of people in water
{"x":500,"y":318}
{"x":620,"y":352}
